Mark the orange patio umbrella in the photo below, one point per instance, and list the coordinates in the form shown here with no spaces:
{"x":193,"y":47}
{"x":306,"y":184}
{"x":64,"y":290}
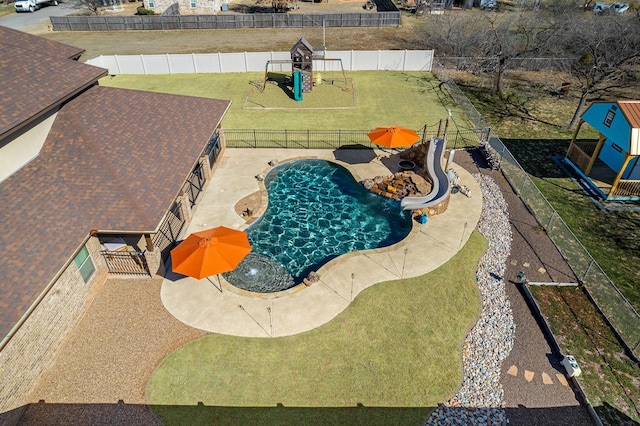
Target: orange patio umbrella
{"x":393,"y":136}
{"x":210,"y":252}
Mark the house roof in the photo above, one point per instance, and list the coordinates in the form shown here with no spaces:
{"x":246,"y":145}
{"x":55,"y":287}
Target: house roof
{"x":618,"y":121}
{"x":36,"y":81}
{"x":17,"y":39}
{"x":115,"y":159}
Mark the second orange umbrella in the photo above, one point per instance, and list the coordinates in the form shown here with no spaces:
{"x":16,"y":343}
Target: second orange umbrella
{"x":393,"y":137}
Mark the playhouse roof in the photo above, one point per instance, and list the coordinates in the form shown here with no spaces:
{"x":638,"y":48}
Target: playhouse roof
{"x":303,"y":42}
{"x":618,"y":121}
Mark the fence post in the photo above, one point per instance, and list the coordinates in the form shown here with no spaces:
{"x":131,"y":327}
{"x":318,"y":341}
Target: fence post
{"x":551,"y":220}
{"x":255,"y":139}
{"x":524,"y":182}
{"x":144,"y":69}
{"x":308,"y":139}
{"x":587,"y":271}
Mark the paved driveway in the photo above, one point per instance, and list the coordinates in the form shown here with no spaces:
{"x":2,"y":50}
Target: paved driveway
{"x":38,"y":22}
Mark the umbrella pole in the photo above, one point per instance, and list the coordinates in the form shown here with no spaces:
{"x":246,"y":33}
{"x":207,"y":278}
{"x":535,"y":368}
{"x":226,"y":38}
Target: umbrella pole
{"x":219,"y":286}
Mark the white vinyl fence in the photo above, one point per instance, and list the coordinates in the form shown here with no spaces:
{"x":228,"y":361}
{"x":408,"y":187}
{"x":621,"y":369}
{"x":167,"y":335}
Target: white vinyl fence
{"x":335,"y":60}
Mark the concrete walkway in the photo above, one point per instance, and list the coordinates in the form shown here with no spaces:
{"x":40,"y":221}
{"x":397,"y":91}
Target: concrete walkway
{"x":201,"y":304}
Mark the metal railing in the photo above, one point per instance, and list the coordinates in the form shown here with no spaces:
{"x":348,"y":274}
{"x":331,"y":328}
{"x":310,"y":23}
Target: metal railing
{"x":334,"y":139}
{"x":126,"y":262}
{"x":617,"y":310}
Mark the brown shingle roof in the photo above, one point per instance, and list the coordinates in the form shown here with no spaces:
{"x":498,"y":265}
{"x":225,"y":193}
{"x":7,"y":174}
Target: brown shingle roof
{"x":115,"y":159}
{"x":36,"y":80}
{"x":631,"y":110}
{"x":13,"y":38}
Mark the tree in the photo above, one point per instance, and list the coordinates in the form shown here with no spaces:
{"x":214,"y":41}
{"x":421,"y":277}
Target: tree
{"x":607,"y":54}
{"x":504,"y":38}
{"x":92,"y":6}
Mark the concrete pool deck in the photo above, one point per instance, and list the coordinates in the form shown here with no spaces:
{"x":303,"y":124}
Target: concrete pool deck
{"x":201,"y":304}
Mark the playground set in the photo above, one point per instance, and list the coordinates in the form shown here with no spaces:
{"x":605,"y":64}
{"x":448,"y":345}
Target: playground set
{"x":302,"y":79}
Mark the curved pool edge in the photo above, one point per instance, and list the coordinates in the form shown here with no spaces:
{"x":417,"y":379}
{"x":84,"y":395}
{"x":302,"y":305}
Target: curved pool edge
{"x":200,"y":304}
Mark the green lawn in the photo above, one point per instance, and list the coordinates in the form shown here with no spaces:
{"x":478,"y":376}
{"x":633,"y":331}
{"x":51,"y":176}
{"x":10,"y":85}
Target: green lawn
{"x":382,"y":98}
{"x":389,"y":358}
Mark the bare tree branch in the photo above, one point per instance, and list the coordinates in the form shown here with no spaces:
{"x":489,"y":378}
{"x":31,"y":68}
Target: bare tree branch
{"x":607,"y":49}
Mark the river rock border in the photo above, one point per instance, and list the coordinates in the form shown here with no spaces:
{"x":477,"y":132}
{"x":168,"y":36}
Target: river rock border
{"x":480,"y":399}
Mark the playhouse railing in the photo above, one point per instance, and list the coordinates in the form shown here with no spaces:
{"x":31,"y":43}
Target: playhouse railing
{"x":580,"y":153}
{"x":627,"y":188}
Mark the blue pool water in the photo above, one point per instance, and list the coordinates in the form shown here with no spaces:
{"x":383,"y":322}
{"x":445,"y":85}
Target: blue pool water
{"x":317,"y":211}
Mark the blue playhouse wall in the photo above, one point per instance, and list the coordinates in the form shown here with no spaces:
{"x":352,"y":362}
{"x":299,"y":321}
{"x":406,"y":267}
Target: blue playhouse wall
{"x":607,"y":119}
{"x":611,"y":156}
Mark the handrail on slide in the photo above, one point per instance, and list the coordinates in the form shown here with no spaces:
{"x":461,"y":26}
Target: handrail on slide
{"x":441,"y":185}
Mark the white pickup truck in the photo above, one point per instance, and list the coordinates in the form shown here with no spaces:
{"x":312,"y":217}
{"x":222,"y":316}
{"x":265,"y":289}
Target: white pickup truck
{"x":32,"y":5}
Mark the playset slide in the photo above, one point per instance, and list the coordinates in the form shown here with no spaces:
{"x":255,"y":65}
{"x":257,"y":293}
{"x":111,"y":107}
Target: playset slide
{"x":441,"y":185}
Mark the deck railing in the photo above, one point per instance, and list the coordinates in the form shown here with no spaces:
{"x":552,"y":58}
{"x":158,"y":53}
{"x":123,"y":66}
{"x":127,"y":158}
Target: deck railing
{"x":580,"y":154}
{"x":627,"y":188}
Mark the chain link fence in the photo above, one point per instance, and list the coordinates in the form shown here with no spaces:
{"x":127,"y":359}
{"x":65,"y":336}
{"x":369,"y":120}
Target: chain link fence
{"x":617,"y":310}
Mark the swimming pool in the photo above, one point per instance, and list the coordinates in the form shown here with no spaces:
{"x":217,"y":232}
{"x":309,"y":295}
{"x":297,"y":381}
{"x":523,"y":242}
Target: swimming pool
{"x":317,"y":211}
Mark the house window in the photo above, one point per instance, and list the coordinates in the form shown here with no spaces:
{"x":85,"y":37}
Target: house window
{"x":85,"y":264}
{"x":193,"y":3}
{"x":616,"y":147}
{"x":151,"y":4}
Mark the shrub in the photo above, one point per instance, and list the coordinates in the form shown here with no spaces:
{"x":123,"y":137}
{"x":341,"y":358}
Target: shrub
{"x":142,"y":11}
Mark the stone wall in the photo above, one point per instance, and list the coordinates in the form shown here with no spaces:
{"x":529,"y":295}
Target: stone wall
{"x":31,"y":350}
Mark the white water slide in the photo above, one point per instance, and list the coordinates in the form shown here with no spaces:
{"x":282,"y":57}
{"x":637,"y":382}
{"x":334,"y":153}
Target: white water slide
{"x":441,"y":185}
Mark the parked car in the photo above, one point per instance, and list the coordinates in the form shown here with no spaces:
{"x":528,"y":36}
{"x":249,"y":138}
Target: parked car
{"x":610,"y":7}
{"x":32,"y":5}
